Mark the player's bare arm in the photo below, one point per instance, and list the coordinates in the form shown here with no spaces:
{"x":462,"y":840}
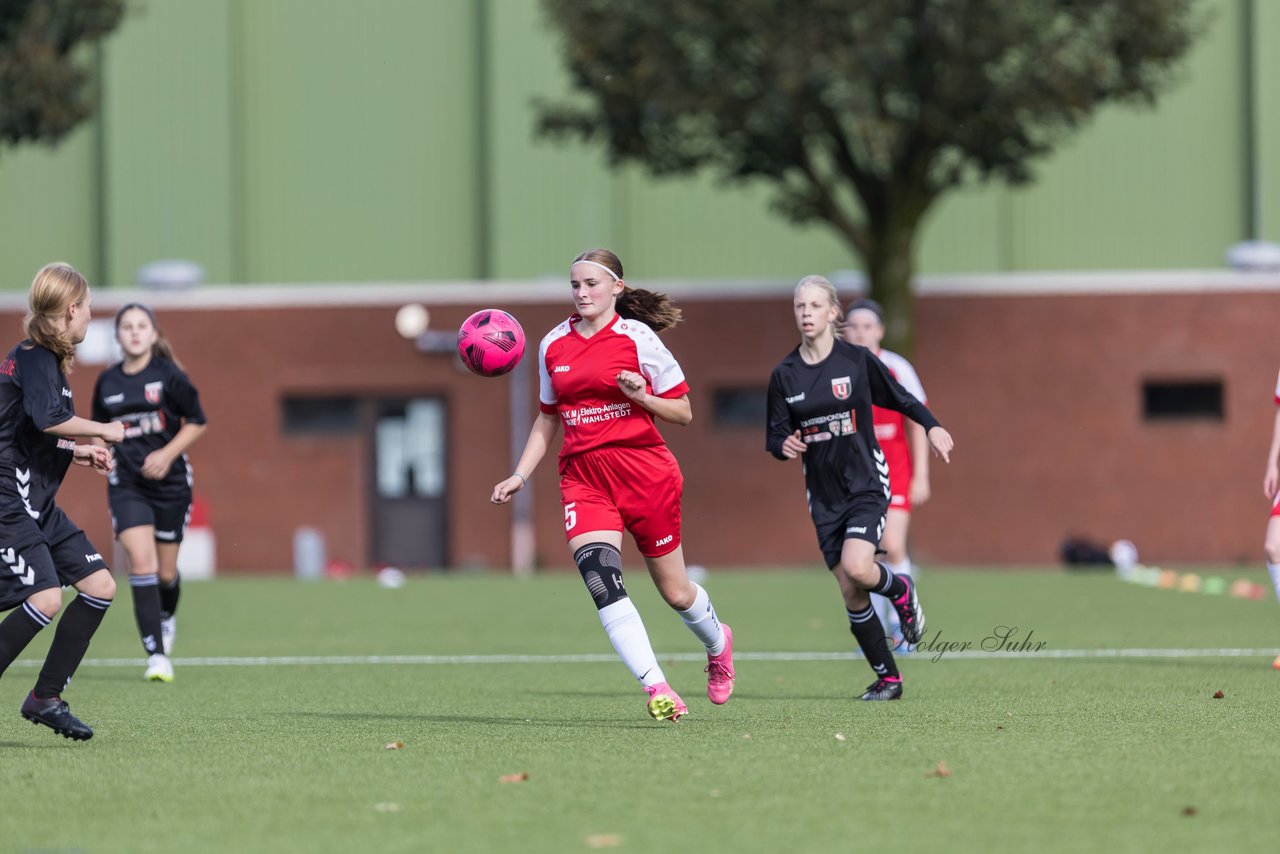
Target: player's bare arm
{"x":676,"y":410}
{"x":545,"y":427}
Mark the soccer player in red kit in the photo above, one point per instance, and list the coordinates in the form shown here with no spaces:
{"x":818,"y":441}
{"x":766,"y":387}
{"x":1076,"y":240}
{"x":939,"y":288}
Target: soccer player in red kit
{"x":1271,"y":488}
{"x":906,"y":450}
{"x":605,"y":377}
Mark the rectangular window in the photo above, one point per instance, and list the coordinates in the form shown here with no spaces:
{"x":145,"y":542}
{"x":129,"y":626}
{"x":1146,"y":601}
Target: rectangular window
{"x":739,"y":407}
{"x":324,"y":416}
{"x":1176,"y":400}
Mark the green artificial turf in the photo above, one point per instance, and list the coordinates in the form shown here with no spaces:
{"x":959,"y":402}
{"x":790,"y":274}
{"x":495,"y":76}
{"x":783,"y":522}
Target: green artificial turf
{"x":999,"y":753}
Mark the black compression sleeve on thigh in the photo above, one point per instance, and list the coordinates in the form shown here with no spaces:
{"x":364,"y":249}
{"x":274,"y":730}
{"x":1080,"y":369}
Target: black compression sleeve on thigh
{"x":601,"y":568}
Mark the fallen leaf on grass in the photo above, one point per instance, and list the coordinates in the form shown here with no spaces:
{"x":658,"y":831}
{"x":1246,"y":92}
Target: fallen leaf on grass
{"x":941,"y":771}
{"x":1189,"y":811}
{"x":999,"y":727}
{"x":395,"y":745}
{"x":513,"y":778}
{"x":1218,"y":695}
{"x":839,"y":736}
{"x":746,"y":736}
{"x":604,"y":840}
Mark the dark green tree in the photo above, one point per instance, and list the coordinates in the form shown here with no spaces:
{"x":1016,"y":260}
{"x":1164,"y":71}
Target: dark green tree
{"x":46,"y":69}
{"x":860,"y":113}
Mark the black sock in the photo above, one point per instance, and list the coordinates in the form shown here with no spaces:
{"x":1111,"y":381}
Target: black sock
{"x":866,"y":628}
{"x":70,"y":642}
{"x":146,"y":610}
{"x":169,"y":593}
{"x":889,"y":584}
{"x":17,"y":630}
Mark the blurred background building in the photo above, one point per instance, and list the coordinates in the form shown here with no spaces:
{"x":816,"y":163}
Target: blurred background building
{"x":1102,"y":370}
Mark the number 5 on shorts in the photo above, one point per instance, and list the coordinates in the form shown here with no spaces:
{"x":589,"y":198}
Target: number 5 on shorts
{"x":570,"y":515}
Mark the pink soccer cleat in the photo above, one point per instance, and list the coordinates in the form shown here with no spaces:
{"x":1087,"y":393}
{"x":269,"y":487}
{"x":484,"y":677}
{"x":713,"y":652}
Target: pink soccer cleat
{"x":720,"y":670}
{"x":664,"y":703}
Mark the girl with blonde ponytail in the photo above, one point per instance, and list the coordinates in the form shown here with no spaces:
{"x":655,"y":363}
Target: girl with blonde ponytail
{"x":43,"y":550}
{"x":149,"y":493}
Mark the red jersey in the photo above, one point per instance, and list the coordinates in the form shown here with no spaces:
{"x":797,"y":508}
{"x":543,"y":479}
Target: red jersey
{"x":890,"y":426}
{"x":578,"y":379}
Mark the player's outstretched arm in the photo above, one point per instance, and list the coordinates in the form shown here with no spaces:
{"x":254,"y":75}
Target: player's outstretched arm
{"x":111,"y":432}
{"x":545,"y":427}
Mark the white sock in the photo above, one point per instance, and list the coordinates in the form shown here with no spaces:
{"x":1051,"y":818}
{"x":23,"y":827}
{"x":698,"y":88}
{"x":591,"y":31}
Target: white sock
{"x":1274,"y":569}
{"x":626,"y":632}
{"x":701,"y":620}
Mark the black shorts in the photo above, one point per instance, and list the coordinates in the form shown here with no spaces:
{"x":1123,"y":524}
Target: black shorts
{"x":131,"y":507}
{"x":63,"y":556}
{"x":861,"y":518}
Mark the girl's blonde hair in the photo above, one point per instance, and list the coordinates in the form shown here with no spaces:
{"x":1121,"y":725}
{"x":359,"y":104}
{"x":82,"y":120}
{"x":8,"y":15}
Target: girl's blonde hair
{"x":55,"y":288}
{"x":821,"y":283}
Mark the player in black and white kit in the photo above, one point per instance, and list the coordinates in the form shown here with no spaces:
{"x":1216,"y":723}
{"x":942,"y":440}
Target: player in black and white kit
{"x":40,"y":548}
{"x":149,"y":491}
{"x":820,"y":399}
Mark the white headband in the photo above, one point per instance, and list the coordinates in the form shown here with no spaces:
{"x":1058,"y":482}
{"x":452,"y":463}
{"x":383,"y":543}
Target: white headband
{"x":602,"y":267}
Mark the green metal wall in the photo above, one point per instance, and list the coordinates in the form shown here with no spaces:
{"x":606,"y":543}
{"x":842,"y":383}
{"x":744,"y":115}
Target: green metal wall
{"x":336,"y":140}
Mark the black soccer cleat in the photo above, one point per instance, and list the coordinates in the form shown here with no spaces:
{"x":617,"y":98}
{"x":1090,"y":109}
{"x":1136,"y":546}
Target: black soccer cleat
{"x":884,"y":689}
{"x":56,"y":715}
{"x":910,"y":614}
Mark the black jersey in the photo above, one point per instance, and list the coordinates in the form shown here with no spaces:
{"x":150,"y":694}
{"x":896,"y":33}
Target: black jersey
{"x":830,"y":404}
{"x":34,"y":395}
{"x":152,"y":404}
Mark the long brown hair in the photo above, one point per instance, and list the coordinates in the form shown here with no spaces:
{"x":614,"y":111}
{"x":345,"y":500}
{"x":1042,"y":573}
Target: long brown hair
{"x":54,"y":289}
{"x":161,"y":347}
{"x":652,"y":309}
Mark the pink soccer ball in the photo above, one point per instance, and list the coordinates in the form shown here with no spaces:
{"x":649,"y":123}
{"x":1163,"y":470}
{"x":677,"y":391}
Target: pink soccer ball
{"x":490,"y":342}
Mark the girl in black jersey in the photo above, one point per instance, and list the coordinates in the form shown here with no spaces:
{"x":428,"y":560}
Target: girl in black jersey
{"x":40,"y":548}
{"x":149,"y":492}
{"x":820,"y":399}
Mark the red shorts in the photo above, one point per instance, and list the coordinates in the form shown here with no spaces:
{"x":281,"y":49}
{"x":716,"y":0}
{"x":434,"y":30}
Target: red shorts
{"x":1275,"y":505}
{"x":898,"y":456}
{"x":633,"y":489}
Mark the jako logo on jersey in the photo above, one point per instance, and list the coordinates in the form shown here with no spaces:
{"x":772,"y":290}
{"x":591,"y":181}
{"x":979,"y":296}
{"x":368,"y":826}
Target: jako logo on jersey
{"x":840,"y":387}
{"x":796,"y":398}
{"x":152,"y":391}
{"x":113,"y":398}
{"x":66,"y":392}
{"x":662,"y":542}
{"x":91,"y":558}
{"x":561,"y":369}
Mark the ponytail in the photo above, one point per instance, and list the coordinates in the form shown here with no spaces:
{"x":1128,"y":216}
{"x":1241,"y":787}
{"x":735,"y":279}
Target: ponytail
{"x":652,"y":309}
{"x":55,"y":288}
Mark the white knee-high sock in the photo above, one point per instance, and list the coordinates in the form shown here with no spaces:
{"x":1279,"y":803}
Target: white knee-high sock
{"x":702,"y":621}
{"x":626,"y":632}
{"x":1274,"y":569}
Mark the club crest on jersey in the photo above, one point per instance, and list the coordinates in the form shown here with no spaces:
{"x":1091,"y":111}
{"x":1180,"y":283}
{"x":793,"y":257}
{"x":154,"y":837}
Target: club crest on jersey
{"x":841,"y":387}
{"x":152,"y":391}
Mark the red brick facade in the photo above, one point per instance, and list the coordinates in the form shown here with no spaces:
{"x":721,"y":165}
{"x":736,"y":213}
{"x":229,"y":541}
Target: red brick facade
{"x":1043,"y":394}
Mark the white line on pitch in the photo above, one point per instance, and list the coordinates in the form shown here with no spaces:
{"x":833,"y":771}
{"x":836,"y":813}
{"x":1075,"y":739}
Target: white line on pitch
{"x":600,"y":658}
